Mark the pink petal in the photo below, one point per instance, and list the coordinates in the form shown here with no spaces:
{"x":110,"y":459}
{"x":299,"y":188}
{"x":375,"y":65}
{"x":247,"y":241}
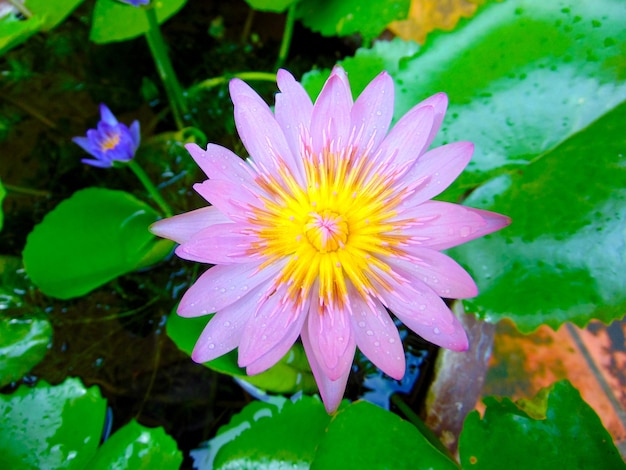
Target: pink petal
{"x":377,"y":337}
{"x":332,"y":340}
{"x":260,"y":133}
{"x":331,"y":391}
{"x":408,"y":139}
{"x":442,"y":225}
{"x":330,"y":121}
{"x":436,"y":170}
{"x":218,"y":162}
{"x":182,"y":227}
{"x":221,"y":286}
{"x":438,"y":271}
{"x":224,"y":330}
{"x":230,"y":198}
{"x":372,"y":111}
{"x":218,"y":244}
{"x":270,"y":332}
{"x":293,"y":110}
{"x":419,"y":308}
{"x":439,"y":102}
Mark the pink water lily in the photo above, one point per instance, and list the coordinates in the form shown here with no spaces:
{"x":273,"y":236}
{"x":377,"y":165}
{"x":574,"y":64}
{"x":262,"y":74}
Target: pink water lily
{"x":325,"y":228}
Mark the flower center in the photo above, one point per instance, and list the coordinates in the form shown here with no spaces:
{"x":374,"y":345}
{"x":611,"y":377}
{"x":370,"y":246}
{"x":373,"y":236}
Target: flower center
{"x":110,"y":142}
{"x":327,"y":231}
{"x":333,"y":228}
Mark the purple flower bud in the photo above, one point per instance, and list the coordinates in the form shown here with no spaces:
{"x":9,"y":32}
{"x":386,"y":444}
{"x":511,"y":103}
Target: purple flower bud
{"x":110,"y":141}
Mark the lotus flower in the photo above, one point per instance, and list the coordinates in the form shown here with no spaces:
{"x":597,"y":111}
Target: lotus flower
{"x":111,"y":141}
{"x":325,"y":228}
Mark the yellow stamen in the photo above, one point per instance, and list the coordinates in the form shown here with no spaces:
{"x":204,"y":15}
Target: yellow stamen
{"x":110,"y":142}
{"x":335,"y":230}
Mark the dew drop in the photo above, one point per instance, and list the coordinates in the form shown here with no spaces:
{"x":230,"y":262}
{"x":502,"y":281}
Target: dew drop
{"x":211,"y":346}
{"x":362,"y":324}
{"x":226,"y":324}
{"x":222,"y":290}
{"x":369,"y":333}
{"x":422,"y":307}
{"x":244,"y":287}
{"x":391,"y":340}
{"x":436,"y":331}
{"x":377,"y":343}
{"x":465,"y":231}
{"x":264,"y":337}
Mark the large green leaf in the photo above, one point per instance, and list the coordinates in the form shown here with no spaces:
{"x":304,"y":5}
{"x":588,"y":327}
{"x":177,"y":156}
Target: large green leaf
{"x":289,"y":375}
{"x":363,"y":435}
{"x":116,"y":21}
{"x":23,"y":343}
{"x":50,"y":426}
{"x":344,"y":17}
{"x":13,"y":32}
{"x":136,"y":447}
{"x":563,"y":257}
{"x":555,"y":430}
{"x":269,"y":436}
{"x":87,"y":240}
{"x":52,"y":12}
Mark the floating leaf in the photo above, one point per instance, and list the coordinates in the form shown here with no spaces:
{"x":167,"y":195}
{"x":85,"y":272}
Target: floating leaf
{"x":23,"y":344}
{"x":363,"y":435}
{"x":557,"y":429}
{"x":50,"y":426}
{"x":116,"y":21}
{"x":52,"y":12}
{"x":87,"y":240}
{"x":289,"y":375}
{"x":563,"y":257}
{"x":344,"y":17}
{"x":271,"y":436}
{"x":14,"y":32}
{"x":277,"y":6}
{"x":136,"y":447}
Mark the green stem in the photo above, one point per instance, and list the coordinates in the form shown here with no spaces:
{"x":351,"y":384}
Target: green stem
{"x":216,"y":81}
{"x":173,"y":89}
{"x":28,"y":191}
{"x":287,"y":35}
{"x":151,"y":188}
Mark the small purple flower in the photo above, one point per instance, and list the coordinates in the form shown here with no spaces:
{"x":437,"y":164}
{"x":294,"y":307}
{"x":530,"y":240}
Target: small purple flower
{"x":135,"y":3}
{"x":111,"y":141}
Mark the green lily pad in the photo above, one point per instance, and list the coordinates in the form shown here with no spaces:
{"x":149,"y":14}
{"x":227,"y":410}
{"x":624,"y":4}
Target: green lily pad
{"x":136,"y":447}
{"x":87,"y":240}
{"x":14,"y":32}
{"x":363,"y":435}
{"x":344,"y":17}
{"x":557,"y":429}
{"x":50,"y":426}
{"x":23,"y":344}
{"x":265,"y":435}
{"x":116,"y":21}
{"x":52,"y":12}
{"x":563,"y":257}
{"x":291,"y":374}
